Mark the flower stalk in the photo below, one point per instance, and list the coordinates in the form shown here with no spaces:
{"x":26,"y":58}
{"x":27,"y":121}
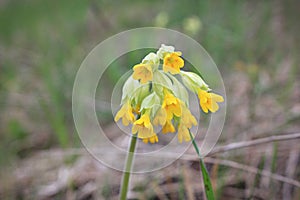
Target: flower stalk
{"x":128,"y":166}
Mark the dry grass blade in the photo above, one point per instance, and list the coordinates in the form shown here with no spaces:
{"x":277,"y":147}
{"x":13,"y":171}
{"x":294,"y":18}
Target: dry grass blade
{"x":245,"y":144}
{"x":253,"y":170}
{"x":243,"y":167}
{"x":158,"y":191}
{"x":187,"y":182}
{"x":290,"y":172}
{"x":229,"y":147}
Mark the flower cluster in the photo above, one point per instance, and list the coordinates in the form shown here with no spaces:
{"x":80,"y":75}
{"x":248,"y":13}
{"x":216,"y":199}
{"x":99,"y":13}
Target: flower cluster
{"x":152,"y":96}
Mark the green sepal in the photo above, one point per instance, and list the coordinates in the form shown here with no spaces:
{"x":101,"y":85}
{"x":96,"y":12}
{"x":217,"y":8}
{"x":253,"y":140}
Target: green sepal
{"x":129,"y":88}
{"x":150,"y":102}
{"x":193,"y":82}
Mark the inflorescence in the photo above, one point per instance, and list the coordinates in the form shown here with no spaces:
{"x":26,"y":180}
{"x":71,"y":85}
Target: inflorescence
{"x":154,"y":97}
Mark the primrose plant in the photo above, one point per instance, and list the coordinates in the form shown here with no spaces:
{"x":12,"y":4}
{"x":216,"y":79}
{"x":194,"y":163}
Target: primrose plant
{"x":154,"y":97}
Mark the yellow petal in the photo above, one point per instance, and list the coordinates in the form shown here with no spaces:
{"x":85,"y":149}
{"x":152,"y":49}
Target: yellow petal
{"x":153,"y":139}
{"x":203,"y":106}
{"x":134,"y":129}
{"x":118,"y":116}
{"x":172,"y":105}
{"x":214,"y":107}
{"x":178,"y":53}
{"x":208,"y":101}
{"x":187,"y":136}
{"x":187,"y":119}
{"x":217,"y":98}
{"x":126,"y":114}
{"x":168,"y":128}
{"x":160,"y":117}
{"x":145,"y":140}
{"x":172,"y":70}
{"x":142,"y":72}
{"x":173,"y":63}
{"x":183,"y":133}
{"x":125,"y":121}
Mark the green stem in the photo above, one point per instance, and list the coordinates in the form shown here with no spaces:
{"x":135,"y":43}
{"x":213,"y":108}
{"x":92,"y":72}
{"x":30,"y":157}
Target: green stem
{"x":126,"y":175}
{"x":205,"y":176}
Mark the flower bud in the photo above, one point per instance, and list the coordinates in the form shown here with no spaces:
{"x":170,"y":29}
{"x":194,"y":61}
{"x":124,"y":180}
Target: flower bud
{"x":193,"y":82}
{"x":163,"y":50}
{"x":151,"y":59}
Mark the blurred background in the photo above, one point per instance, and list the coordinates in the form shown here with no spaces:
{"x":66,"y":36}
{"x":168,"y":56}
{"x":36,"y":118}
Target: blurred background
{"x":255,"y":44}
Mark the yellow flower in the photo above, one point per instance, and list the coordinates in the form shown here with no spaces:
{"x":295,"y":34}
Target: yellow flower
{"x":172,"y":105}
{"x":136,"y":109}
{"x":183,"y":133}
{"x":173,"y":63}
{"x":187,"y":119}
{"x":125,"y":113}
{"x":142,"y":72}
{"x":168,"y":127}
{"x":143,"y":127}
{"x":152,"y":139}
{"x":208,"y":101}
{"x":160,"y":117}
